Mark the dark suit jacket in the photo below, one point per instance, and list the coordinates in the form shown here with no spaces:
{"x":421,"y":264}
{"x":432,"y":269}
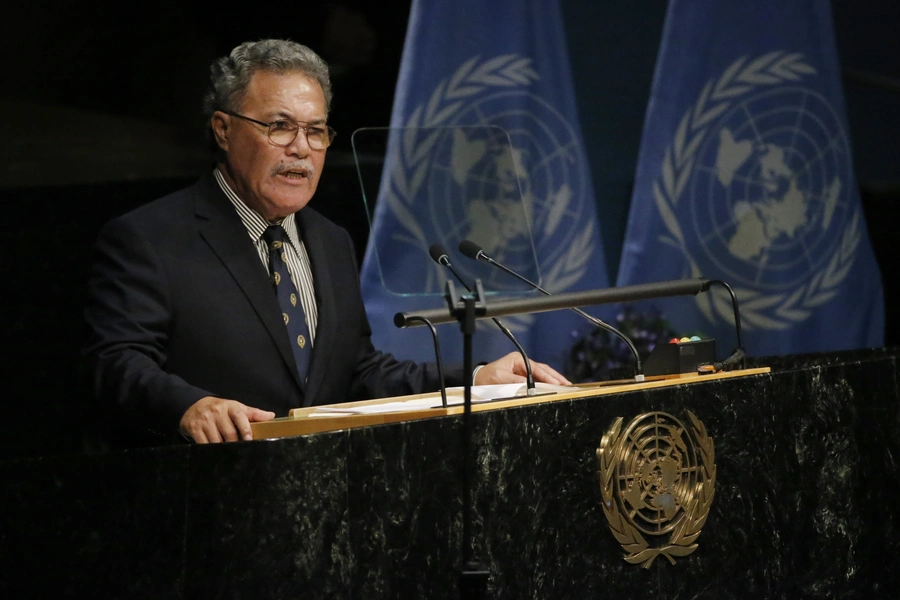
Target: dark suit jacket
{"x":181,"y":307}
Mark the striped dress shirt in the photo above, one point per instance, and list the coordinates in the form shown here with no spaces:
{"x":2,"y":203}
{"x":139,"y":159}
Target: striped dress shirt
{"x":297,"y":258}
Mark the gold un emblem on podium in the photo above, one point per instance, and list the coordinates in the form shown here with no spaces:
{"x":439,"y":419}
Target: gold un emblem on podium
{"x":657,"y":479}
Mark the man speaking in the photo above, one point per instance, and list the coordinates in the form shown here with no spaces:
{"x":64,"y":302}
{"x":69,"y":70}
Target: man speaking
{"x":232,"y":301}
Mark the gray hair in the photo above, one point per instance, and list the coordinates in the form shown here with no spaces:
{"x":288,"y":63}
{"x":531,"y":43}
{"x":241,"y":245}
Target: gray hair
{"x":230,"y":75}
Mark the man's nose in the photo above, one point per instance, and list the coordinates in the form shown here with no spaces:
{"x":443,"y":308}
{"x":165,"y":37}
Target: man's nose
{"x":300,"y":146}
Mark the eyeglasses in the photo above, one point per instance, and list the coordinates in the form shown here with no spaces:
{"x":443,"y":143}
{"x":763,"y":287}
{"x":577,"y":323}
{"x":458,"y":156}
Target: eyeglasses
{"x":283,"y":132}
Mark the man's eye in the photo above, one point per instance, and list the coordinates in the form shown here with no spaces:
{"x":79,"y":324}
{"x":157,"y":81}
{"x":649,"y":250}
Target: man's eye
{"x":282,"y":126}
{"x":315,"y":131}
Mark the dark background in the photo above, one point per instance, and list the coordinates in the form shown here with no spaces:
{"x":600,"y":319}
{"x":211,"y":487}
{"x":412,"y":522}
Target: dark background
{"x":100,"y":112}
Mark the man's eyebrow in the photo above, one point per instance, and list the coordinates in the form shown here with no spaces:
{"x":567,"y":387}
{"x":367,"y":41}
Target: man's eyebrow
{"x":286,"y":117}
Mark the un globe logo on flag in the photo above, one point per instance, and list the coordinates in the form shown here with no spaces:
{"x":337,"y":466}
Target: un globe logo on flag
{"x":515,"y":184}
{"x":766,"y":197}
{"x":476,"y":193}
{"x":487,"y":159}
{"x":755,"y":189}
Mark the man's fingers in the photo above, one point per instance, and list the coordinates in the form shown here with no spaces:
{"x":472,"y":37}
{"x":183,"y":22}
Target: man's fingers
{"x":199,"y":437}
{"x":541,"y":371}
{"x":548,"y":374}
{"x":211,"y":432}
{"x":238,"y":416}
{"x":244,"y":415}
{"x":257,"y":414}
{"x":226,"y":421}
{"x":211,"y":419}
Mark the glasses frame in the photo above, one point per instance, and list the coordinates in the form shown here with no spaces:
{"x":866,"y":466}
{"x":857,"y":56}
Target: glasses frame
{"x":331,"y":132}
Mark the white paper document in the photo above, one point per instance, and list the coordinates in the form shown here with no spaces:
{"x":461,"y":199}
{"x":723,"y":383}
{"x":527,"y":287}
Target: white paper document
{"x":455,"y":397}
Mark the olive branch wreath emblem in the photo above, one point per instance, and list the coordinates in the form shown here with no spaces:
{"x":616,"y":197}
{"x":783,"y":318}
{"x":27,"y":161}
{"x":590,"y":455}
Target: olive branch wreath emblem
{"x":473,"y":78}
{"x":758,"y":310}
{"x":683,"y":538}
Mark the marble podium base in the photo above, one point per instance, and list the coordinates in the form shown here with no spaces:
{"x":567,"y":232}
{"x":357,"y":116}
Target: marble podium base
{"x":805,"y":503}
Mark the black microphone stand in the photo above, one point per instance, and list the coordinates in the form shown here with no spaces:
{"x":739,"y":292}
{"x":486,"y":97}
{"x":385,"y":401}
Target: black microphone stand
{"x":439,"y":255}
{"x":568,"y":300}
{"x":473,"y":578}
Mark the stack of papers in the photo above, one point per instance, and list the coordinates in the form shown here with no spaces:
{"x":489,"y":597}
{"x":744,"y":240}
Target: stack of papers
{"x":455,"y":397}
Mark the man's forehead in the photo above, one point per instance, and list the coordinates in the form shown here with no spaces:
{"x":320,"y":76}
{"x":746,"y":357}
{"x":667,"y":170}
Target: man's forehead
{"x":283,"y":78}
{"x":272,"y":89}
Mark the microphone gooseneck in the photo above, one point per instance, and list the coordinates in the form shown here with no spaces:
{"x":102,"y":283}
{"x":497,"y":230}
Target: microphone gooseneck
{"x":437,"y":356}
{"x":439,"y":255}
{"x":472,"y":250}
{"x":738,"y":356}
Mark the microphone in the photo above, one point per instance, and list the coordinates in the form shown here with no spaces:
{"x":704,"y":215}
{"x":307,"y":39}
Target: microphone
{"x":475,"y":252}
{"x":439,"y":255}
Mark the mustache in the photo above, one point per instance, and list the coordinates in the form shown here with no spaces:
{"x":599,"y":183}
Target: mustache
{"x":298,"y":165}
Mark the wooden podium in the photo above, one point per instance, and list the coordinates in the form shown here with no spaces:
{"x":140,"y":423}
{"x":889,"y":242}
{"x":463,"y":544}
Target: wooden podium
{"x":303,"y":421}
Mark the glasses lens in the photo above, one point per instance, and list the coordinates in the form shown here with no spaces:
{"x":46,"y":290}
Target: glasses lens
{"x":282,"y":132}
{"x":318,"y":137}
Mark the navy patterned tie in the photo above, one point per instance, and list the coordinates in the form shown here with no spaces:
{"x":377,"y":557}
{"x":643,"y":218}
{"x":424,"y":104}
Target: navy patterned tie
{"x":289,"y":299}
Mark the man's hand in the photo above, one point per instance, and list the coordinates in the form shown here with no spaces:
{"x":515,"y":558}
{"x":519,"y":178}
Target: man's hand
{"x":211,"y":420}
{"x":511,"y":369}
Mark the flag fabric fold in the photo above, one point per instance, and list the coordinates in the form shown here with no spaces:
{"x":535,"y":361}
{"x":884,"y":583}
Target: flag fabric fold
{"x":745,"y":175}
{"x":484,"y":145}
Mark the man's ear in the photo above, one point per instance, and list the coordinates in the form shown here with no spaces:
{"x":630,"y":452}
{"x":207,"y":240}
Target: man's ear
{"x":220,"y":123}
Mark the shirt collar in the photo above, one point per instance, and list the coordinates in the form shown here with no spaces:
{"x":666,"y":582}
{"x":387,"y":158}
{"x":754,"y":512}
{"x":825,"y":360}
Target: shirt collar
{"x":253,"y":221}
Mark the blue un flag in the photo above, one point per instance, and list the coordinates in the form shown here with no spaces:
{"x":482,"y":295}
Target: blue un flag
{"x":484,"y":145}
{"x":745,"y":175}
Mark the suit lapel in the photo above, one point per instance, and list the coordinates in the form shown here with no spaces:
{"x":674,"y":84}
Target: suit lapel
{"x":220,"y":226}
{"x":317,"y":249}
